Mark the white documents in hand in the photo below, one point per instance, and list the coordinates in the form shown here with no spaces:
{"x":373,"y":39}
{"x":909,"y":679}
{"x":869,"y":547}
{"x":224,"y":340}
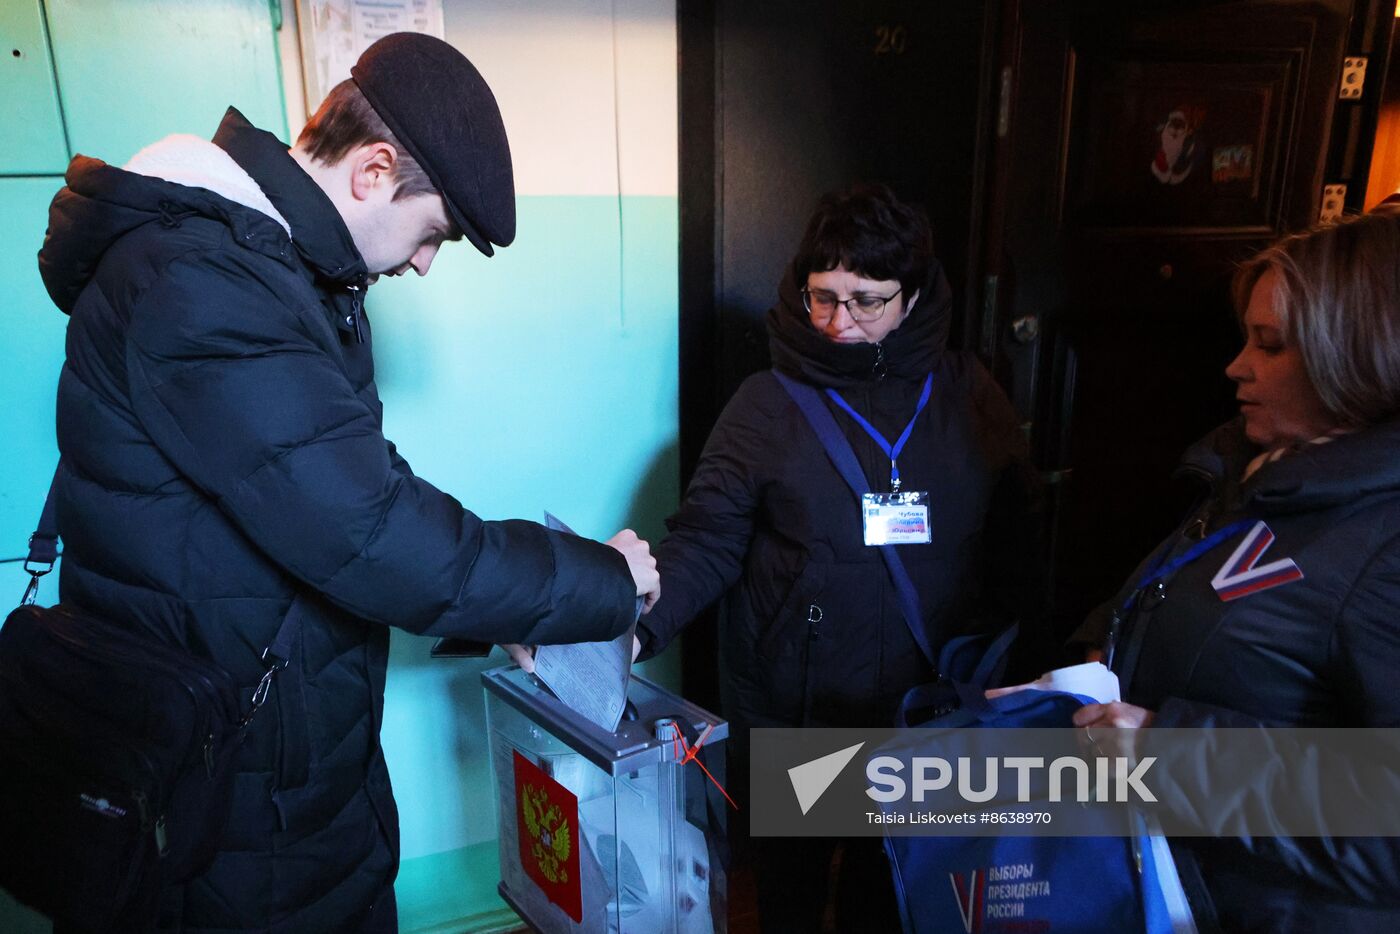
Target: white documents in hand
{"x":591,"y":677}
{"x":1091,"y":679}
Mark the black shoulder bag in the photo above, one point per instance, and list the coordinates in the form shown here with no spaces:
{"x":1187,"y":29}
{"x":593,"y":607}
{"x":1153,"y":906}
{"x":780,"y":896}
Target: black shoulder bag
{"x":117,"y":755}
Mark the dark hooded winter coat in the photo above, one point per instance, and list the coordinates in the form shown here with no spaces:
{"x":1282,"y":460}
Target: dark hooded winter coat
{"x":1321,"y":651}
{"x":812,"y":632}
{"x":222,"y":452}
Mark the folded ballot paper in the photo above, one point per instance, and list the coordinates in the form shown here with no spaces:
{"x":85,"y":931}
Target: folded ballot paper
{"x":590,"y":677}
{"x":1091,"y":679}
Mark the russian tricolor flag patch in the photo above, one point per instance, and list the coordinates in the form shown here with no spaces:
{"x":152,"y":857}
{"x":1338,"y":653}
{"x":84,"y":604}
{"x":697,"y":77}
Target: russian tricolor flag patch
{"x":1243,"y":575}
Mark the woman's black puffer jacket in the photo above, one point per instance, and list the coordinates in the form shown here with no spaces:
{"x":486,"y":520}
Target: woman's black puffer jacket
{"x":812,"y":632}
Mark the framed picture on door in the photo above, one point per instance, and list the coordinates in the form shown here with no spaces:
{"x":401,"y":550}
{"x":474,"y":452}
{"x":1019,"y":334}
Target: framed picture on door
{"x":1190,"y":145}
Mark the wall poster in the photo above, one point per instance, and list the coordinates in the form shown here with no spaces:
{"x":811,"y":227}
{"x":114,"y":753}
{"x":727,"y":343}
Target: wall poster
{"x":334,"y":33}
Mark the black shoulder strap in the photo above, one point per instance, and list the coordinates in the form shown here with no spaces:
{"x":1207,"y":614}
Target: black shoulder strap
{"x":43,"y":544}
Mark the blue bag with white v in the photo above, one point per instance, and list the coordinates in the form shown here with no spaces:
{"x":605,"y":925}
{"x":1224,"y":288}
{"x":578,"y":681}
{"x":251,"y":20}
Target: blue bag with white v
{"x":1104,"y":884}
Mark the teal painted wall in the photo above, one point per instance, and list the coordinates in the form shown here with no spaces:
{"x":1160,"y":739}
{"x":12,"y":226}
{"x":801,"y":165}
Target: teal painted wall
{"x":31,"y":333}
{"x":544,"y":378}
{"x":133,"y":71}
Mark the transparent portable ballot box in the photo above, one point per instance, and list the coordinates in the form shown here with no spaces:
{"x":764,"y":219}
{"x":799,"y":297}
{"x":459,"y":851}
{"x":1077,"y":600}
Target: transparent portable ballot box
{"x":607,"y":832}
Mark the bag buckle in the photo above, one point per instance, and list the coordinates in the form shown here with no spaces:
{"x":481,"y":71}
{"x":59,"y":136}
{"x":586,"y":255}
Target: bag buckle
{"x":35,"y":571}
{"x":274,"y":663}
{"x":43,"y":555}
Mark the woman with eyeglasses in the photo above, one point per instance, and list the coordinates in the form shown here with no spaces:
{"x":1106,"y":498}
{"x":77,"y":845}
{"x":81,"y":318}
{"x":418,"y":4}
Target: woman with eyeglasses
{"x":815,"y":629}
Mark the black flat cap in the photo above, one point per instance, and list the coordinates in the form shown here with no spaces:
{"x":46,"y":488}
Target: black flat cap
{"x":443,"y":112}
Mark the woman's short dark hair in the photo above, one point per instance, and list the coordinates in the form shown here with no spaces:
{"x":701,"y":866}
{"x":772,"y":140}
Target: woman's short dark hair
{"x":869,"y":231}
{"x":345,"y":121}
{"x":1337,"y":296}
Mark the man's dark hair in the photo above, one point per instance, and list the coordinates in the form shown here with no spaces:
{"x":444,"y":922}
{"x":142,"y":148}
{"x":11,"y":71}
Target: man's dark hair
{"x":344,"y":121}
{"x":870,"y":232}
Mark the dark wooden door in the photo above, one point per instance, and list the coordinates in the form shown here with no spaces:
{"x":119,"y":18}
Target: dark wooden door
{"x":1142,"y":150}
{"x":783,"y":100}
{"x":780,"y":101}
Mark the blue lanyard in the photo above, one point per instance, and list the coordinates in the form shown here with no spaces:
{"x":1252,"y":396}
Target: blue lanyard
{"x":891,"y":452}
{"x":1165,"y":568}
{"x":1160,"y":571}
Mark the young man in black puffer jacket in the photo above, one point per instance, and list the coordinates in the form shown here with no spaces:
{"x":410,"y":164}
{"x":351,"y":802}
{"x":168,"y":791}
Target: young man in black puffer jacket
{"x":223,"y":454}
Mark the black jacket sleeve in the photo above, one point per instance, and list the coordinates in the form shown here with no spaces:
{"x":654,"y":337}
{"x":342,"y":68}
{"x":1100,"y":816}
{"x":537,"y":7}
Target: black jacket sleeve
{"x":1365,"y":658}
{"x":243,"y":394}
{"x":703,"y":554}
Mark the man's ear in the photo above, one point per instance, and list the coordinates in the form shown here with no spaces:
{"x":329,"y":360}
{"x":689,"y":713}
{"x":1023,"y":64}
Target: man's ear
{"x":371,"y":168}
{"x":909,"y":305}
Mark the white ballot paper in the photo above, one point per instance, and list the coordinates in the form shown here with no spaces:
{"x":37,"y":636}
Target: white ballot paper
{"x":591,"y":677}
{"x":1091,"y":679}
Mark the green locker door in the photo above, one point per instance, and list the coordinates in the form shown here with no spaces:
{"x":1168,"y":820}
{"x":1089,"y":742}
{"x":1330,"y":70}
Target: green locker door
{"x":134,"y":71}
{"x":33,"y":141}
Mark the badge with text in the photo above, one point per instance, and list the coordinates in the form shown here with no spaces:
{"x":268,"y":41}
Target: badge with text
{"x":1243,"y":574}
{"x":895,"y":518}
{"x":547,"y":825}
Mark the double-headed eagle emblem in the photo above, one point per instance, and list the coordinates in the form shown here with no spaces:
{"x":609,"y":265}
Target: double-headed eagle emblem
{"x":552,"y":840}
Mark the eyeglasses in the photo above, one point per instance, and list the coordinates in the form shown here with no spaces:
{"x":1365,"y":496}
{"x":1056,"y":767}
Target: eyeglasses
{"x":821,"y":304}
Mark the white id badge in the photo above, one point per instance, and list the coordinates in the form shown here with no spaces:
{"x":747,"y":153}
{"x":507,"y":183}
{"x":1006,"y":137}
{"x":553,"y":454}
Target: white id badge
{"x":895,"y":518}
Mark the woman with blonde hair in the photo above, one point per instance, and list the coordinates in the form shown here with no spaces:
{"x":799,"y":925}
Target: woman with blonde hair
{"x":1281,"y":605}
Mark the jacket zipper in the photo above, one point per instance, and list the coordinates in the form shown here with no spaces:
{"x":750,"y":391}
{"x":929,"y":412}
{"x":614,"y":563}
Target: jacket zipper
{"x":354,"y":318}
